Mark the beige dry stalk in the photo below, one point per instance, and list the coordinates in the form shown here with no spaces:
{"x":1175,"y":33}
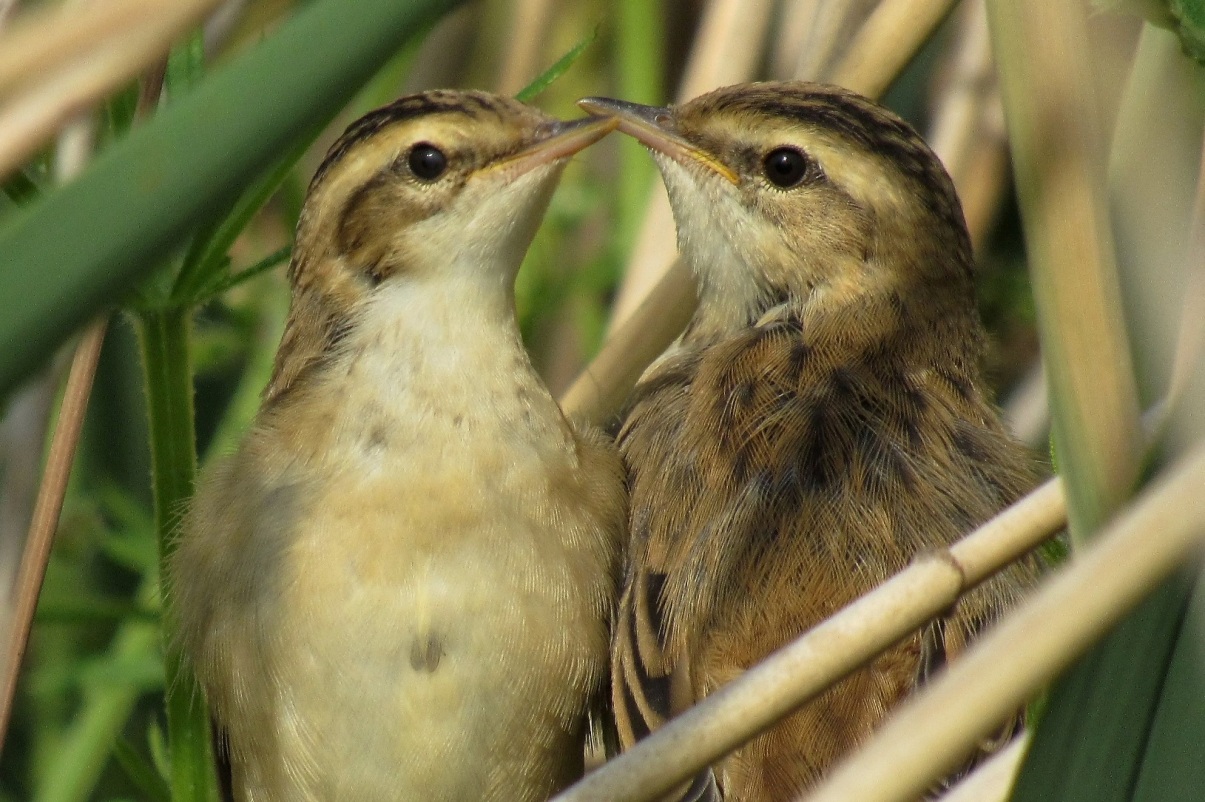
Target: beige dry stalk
{"x":968,"y":127}
{"x":992,"y":781}
{"x":59,"y":64}
{"x":529,"y":24}
{"x":1046,"y":83}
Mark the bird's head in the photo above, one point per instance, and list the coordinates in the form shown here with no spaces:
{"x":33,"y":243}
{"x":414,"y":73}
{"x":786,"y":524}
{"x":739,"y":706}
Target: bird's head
{"x":437,"y":194}
{"x":437,"y":181}
{"x":801,"y":191}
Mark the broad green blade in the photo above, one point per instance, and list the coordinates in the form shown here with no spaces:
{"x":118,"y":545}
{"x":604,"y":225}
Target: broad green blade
{"x":1090,"y":743}
{"x":78,"y":249}
{"x":1173,"y":768}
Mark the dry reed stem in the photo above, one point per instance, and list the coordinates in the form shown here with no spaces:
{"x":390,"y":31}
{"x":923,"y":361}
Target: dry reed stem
{"x":6,"y":8}
{"x":49,"y":38}
{"x":1190,"y":342}
{"x":814,"y":33}
{"x":887,"y":42}
{"x":1027,"y":412}
{"x":788,"y":678}
{"x":80,"y":78}
{"x":968,"y":126}
{"x":992,"y":781}
{"x":46,"y":511}
{"x":1041,"y":50}
{"x":928,"y":736}
{"x":599,"y":392}
{"x":530,"y":20}
{"x":727,"y":49}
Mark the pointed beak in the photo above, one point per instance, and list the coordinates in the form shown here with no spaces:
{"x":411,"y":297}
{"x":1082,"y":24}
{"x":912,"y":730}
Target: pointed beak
{"x":562,"y":140}
{"x":652,"y":127}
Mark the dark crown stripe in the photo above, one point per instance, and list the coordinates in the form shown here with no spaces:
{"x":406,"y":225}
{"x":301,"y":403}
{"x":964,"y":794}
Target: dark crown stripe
{"x":402,"y":109}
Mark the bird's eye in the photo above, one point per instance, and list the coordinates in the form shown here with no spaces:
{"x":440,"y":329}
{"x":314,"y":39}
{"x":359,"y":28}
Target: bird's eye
{"x":427,"y":161}
{"x":785,"y":167}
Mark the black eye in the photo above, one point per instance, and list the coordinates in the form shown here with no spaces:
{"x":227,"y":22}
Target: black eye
{"x":427,"y":161}
{"x":785,"y":167}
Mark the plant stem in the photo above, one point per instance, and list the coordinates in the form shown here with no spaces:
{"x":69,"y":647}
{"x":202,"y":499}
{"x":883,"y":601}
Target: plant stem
{"x":164,"y":336}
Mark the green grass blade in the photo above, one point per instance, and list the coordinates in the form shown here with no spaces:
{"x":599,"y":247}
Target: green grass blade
{"x":203,"y":265}
{"x":81,"y":247}
{"x":141,"y":772}
{"x":562,"y":65}
{"x":1089,"y":744}
{"x":1174,"y":766}
{"x":20,"y":188}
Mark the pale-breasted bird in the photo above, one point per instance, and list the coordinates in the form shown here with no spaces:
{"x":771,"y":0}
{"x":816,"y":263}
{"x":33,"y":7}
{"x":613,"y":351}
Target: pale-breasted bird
{"x":399,"y":587}
{"x":821,"y":421}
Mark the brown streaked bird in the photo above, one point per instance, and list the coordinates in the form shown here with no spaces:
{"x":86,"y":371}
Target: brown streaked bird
{"x":399,"y":588}
{"x":821,"y":421}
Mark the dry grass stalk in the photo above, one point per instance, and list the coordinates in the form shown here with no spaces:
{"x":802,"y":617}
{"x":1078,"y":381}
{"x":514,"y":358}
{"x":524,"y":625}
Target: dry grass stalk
{"x":1027,"y":412}
{"x":993,"y":780}
{"x":968,"y":126}
{"x":727,"y":49}
{"x":1041,"y":50}
{"x":1190,"y":344}
{"x":887,"y":42}
{"x":937,"y":728}
{"x":814,"y":33}
{"x":530,"y":20}
{"x":46,"y":513}
{"x":791,"y":676}
{"x":600,"y":390}
{"x":77,"y":61}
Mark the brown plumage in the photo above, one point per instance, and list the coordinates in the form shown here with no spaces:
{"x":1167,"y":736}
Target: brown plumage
{"x":822,"y":420}
{"x":399,"y":588}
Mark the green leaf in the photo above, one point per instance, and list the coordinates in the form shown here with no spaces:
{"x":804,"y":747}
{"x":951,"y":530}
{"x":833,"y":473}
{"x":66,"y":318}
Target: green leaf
{"x":140,"y":771}
{"x":185,"y":67}
{"x":562,"y":65}
{"x":80,"y":248}
{"x":205,"y":263}
{"x":1094,"y":732}
{"x":1173,"y":768}
{"x":224,"y":283}
{"x":20,"y":188}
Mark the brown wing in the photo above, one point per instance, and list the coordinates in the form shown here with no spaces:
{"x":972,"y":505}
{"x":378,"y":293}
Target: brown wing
{"x":772,"y":480}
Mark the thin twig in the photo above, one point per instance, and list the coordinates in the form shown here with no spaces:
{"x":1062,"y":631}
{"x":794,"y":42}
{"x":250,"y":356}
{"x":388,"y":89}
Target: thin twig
{"x":993,"y":780}
{"x":937,"y":728}
{"x":781,"y":683}
{"x":727,"y":49}
{"x":47,"y":508}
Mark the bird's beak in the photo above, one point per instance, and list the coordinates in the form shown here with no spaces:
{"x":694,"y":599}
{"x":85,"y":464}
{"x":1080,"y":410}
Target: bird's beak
{"x":562,"y":140}
{"x":650,"y":125}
